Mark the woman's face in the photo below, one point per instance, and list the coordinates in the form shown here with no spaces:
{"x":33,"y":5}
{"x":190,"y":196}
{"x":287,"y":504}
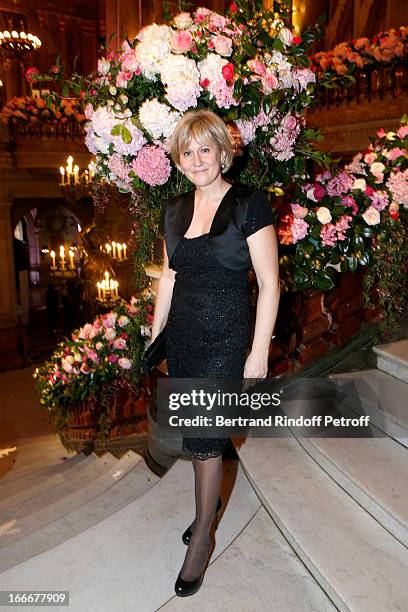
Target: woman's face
{"x":201,"y":163}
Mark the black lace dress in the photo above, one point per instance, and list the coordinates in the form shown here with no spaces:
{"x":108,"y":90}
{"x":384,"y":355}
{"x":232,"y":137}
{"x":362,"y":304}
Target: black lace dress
{"x":208,"y":326}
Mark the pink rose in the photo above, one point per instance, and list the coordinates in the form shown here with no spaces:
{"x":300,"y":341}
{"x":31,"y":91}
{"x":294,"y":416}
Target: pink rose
{"x":299,"y":212}
{"x":381,"y":133}
{"x":289,"y":122}
{"x":130,"y":63}
{"x":369,"y":190}
{"x":119,"y":343}
{"x":123,"y":78}
{"x":257,"y":67}
{"x":125,"y":363}
{"x":223,"y":45}
{"x":369,"y":158}
{"x":109,"y":319}
{"x":393,"y":154}
{"x":403,"y":131}
{"x":103,"y":66}
{"x":181,"y":41}
{"x":269,"y":82}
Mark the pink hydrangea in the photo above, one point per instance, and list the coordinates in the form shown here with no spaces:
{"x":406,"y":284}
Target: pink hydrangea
{"x":379,"y":200}
{"x":299,"y":229}
{"x":339,"y":184}
{"x":350,"y":201}
{"x":398,"y":185}
{"x":152,"y":165}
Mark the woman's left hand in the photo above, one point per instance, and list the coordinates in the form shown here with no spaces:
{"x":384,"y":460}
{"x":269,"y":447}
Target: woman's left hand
{"x":256,"y":365}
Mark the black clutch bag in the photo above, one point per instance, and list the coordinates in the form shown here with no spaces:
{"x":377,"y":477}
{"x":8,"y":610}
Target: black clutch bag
{"x":155,"y":353}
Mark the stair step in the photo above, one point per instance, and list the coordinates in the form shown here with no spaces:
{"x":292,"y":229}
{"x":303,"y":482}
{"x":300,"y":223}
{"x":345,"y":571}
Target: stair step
{"x":137,"y":552}
{"x":126,"y":487}
{"x":258,"y":571}
{"x":373,"y":471}
{"x":40,"y":502}
{"x":393,"y":358}
{"x":355,"y":560}
{"x":382,"y":397}
{"x":35,"y":453}
{"x":63,"y":468}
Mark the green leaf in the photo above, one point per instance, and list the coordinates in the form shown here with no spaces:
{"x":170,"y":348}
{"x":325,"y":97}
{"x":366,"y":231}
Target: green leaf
{"x":277,"y":44}
{"x":352,"y":263}
{"x":323,"y":281}
{"x":116,"y":130}
{"x":307,"y":247}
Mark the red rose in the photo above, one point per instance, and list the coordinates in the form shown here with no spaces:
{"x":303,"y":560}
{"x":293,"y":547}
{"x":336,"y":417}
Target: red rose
{"x":319,"y":191}
{"x":30,"y":73}
{"x":297,"y":40}
{"x":228,"y":71}
{"x":394,"y":214}
{"x":233,"y":7}
{"x":369,"y":190}
{"x":205,"y":82}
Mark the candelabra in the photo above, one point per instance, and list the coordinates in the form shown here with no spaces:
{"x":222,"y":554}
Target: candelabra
{"x":73,"y":183}
{"x":116,"y":250}
{"x":107,"y":289}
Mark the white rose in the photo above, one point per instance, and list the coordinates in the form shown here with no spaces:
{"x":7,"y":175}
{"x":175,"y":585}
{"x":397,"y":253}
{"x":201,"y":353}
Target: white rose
{"x":371,"y":216}
{"x":359,"y":184}
{"x":77,"y":357}
{"x":286,"y":36}
{"x":123,"y":98}
{"x":98,"y":346}
{"x":117,"y":107}
{"x":123,"y":320}
{"x":390,"y":135}
{"x":310,"y":195}
{"x":110,"y":103}
{"x":377,"y":168}
{"x":182,"y":21}
{"x":323,"y":214}
{"x":110,"y":333}
{"x":112,"y":90}
{"x":103,"y":66}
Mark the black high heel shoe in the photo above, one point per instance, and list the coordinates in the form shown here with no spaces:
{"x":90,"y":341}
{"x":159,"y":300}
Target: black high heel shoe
{"x":188,"y":532}
{"x":184,"y":588}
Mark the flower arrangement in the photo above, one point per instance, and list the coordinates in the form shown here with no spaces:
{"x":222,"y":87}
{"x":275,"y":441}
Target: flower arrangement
{"x":385,"y":48}
{"x":356,"y":216}
{"x":35,"y":110}
{"x":247,"y":66}
{"x":95,"y":358}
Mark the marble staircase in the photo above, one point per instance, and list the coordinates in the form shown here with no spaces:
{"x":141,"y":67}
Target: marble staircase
{"x":308,"y":524}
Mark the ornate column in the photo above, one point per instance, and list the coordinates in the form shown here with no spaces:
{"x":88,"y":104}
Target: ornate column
{"x":9,"y":334}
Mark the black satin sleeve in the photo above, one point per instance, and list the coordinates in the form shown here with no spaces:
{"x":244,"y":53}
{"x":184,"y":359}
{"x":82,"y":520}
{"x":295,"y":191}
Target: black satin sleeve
{"x":259,"y":213}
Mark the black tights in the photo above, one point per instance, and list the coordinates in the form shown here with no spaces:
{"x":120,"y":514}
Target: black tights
{"x":208,"y":477}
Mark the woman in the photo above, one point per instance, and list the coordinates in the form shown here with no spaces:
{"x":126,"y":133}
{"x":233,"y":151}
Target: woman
{"x":212,"y":235}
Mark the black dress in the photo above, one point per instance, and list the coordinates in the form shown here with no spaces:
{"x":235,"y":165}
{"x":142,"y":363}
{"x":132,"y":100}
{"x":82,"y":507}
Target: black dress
{"x":208,"y":326}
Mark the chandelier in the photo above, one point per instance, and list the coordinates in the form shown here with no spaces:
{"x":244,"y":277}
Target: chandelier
{"x":15,"y":39}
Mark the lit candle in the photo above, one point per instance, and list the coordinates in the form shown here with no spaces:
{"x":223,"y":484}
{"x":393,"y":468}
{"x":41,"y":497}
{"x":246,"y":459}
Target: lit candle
{"x":124,"y":247}
{"x":116,"y":288}
{"x":53,"y":266}
{"x":71,"y":259}
{"x":113,"y":249}
{"x":76,"y":175}
{"x":62,"y":255}
{"x":108,"y":248}
{"x":99,"y":290}
{"x":119,"y":249}
{"x":62,"y":172}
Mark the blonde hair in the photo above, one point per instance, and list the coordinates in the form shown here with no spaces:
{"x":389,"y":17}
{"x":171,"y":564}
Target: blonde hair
{"x":202,"y":125}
